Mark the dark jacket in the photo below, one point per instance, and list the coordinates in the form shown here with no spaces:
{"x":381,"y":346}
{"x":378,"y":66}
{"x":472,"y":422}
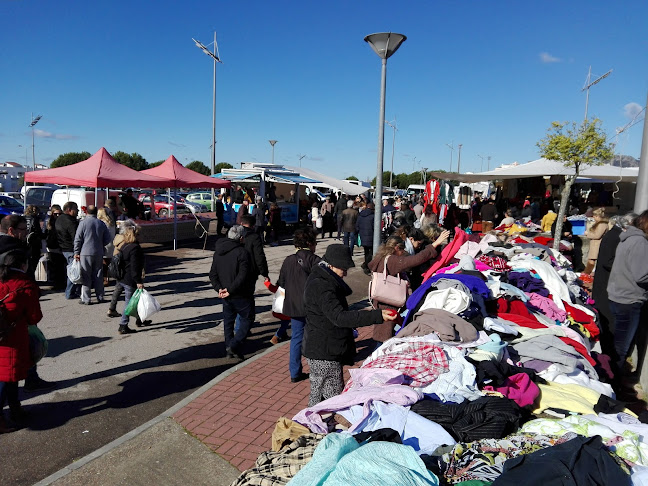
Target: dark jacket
{"x":410,"y":216}
{"x":231,"y":269}
{"x":608,"y":247}
{"x":133,"y":258}
{"x":365,"y":227}
{"x":292,"y":277}
{"x":349,"y":218}
{"x":220,"y":209}
{"x":488,"y":212}
{"x":340,"y":206}
{"x":259,"y":212}
{"x":66,"y":227}
{"x":328,"y":334}
{"x":254,"y":246}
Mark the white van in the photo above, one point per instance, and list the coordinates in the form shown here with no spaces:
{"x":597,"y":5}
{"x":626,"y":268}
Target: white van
{"x":82,"y":197}
{"x":39,"y":196}
{"x":415,"y":189}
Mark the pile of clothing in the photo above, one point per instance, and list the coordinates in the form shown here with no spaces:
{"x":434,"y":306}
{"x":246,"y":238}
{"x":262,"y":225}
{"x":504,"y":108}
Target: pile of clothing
{"x":491,"y":380}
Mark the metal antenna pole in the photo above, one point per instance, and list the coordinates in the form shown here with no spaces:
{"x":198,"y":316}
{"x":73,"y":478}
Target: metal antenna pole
{"x":451,"y":146}
{"x":588,"y":85}
{"x":459,"y":160}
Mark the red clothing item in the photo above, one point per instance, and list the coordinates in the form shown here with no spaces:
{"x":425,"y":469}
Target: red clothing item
{"x":533,"y":323}
{"x":543,"y":240}
{"x":514,"y":306}
{"x":583,"y":318}
{"x":448,"y":253}
{"x":23,"y":308}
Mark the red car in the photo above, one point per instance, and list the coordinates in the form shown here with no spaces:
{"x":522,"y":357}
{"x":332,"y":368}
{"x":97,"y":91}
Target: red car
{"x":162,"y":206}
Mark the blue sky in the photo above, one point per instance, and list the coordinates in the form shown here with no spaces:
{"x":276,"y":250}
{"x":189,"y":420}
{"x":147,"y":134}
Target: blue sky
{"x":491,"y":75}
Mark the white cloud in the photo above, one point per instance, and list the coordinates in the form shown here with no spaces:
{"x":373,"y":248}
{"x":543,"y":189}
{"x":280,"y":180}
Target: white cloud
{"x":548,"y":58}
{"x":55,"y":136}
{"x":631,"y":110}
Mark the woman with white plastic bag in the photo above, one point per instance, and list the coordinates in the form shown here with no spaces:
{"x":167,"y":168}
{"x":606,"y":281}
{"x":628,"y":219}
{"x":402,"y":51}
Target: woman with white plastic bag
{"x":133,"y":262}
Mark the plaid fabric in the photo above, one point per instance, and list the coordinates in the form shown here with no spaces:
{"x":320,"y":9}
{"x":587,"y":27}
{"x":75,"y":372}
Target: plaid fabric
{"x":496,"y":263}
{"x":422,"y":362}
{"x":278,"y":468}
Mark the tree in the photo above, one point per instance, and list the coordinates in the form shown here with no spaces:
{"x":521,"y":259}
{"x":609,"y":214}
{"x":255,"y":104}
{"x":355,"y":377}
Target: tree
{"x":69,"y":159}
{"x":352,"y":178}
{"x":155,"y":164}
{"x":577,"y":146}
{"x":222,"y":165}
{"x":134,"y":161}
{"x":198,"y":166}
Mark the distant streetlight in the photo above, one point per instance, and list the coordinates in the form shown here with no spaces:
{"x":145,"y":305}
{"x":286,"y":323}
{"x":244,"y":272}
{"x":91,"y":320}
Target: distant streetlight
{"x":33,"y":123}
{"x":391,"y":173}
{"x":459,"y":159}
{"x":481,"y":167}
{"x":300,"y":158}
{"x":451,"y":147}
{"x":272,"y":142}
{"x":488,"y":158}
{"x":216,"y":57}
{"x":385,"y":44}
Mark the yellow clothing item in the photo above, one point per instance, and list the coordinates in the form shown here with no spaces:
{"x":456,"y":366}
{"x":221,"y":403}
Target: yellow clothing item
{"x":574,"y":398}
{"x":547,"y":220}
{"x":516,"y":228}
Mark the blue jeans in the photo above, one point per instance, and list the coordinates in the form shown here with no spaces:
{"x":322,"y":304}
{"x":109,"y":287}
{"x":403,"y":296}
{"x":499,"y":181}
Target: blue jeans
{"x":626,"y":323}
{"x":72,"y":291}
{"x":128,"y":293}
{"x":233,"y":307}
{"x":295,"y":363}
{"x":283,"y":329}
{"x":350,"y":239}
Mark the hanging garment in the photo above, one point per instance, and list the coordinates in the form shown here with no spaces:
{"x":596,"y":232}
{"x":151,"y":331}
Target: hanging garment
{"x":447,"y":253}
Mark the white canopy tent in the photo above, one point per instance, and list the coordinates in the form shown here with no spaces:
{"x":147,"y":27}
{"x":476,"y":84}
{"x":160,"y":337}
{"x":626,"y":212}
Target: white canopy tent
{"x":335,"y":184}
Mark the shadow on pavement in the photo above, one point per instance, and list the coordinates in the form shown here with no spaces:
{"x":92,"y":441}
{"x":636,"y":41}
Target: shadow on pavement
{"x":60,"y":345}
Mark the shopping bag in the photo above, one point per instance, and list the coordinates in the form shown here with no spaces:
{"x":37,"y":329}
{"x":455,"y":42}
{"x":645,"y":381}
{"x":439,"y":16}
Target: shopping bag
{"x":37,"y":344}
{"x":74,"y":272}
{"x":131,"y":307}
{"x":147,"y":305}
{"x":319,"y":222}
{"x":278,"y":300}
{"x":41,"y":269}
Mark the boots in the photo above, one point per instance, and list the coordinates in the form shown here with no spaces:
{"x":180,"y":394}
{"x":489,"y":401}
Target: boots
{"x":4,"y":427}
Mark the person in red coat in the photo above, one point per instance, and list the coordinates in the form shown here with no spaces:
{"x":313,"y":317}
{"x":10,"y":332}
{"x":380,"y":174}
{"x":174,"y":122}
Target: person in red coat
{"x":22,"y":308}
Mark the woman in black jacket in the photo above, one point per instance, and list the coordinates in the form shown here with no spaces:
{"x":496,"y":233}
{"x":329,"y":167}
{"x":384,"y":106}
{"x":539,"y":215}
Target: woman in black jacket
{"x":328,"y":335}
{"x":292,"y":277}
{"x":133,"y":262}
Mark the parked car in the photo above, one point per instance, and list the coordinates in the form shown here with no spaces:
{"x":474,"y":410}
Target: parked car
{"x":162,"y":205}
{"x":16,"y":195}
{"x":9,"y":205}
{"x":201,"y":197}
{"x":194,"y":207}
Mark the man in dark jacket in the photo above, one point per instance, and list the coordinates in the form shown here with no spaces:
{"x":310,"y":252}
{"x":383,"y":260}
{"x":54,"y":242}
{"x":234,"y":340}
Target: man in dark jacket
{"x":259,"y":212}
{"x":328,"y":336}
{"x":365,"y":229}
{"x":349,"y":220}
{"x":66,"y":226}
{"x":340,"y":206}
{"x":220,"y":214}
{"x":243,"y":209}
{"x":410,"y":216}
{"x":231,"y":277}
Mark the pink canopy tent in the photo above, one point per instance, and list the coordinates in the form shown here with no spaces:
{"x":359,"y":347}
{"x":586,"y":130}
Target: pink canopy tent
{"x":100,"y":170}
{"x":180,"y":176}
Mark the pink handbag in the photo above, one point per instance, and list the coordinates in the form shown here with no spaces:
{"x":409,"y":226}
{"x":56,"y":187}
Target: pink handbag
{"x":385,"y":289}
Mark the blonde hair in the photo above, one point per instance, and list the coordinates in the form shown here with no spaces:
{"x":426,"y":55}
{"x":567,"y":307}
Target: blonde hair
{"x":600,"y":212}
{"x":102,"y":215}
{"x":130,"y":231}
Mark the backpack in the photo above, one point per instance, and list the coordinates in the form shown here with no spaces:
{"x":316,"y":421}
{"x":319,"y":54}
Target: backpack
{"x":116,"y":267}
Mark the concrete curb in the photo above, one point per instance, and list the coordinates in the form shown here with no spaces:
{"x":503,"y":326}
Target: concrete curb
{"x":142,"y":428}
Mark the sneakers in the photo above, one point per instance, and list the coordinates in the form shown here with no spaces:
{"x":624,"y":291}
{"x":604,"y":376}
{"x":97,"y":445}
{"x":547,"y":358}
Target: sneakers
{"x":234,"y":354}
{"x":5,"y":428}
{"x":126,"y":330}
{"x":113,"y":313}
{"x":300,"y":377}
{"x":84,"y":303}
{"x":143,"y":324}
{"x":275,"y":340}
{"x":38,"y":384}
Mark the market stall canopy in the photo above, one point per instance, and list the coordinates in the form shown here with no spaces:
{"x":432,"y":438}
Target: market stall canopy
{"x":271,"y":173}
{"x":544,"y":167}
{"x":179,"y":176}
{"x":345,"y":186}
{"x":100,"y":170}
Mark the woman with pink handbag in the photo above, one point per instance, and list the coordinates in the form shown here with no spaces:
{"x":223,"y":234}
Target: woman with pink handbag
{"x":393,"y":259}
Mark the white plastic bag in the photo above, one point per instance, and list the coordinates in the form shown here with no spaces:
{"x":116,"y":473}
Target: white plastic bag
{"x":147,"y":306}
{"x":278,"y":301}
{"x":41,"y":269}
{"x":319,"y":222}
{"x":74,"y":272}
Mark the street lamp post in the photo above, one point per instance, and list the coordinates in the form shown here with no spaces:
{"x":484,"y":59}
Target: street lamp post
{"x":481,"y":167}
{"x":272,"y":142}
{"x":216,"y":57}
{"x":459,"y":159}
{"x":385,"y":44}
{"x":391,"y":173}
{"x":33,"y":123}
{"x":300,"y":158}
{"x":451,"y":147}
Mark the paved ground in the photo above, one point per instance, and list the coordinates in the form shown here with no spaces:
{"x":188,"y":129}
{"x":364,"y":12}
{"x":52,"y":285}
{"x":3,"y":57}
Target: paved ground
{"x":108,"y":385}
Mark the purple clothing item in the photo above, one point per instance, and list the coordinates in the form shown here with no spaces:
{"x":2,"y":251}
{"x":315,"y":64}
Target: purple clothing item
{"x":398,"y":394}
{"x":547,"y":306}
{"x":518,"y":388}
{"x":528,"y":283}
{"x":537,"y":365}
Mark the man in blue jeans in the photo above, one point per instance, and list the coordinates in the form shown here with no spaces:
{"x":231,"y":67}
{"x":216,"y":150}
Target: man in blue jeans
{"x":66,"y":226}
{"x":232,"y":276}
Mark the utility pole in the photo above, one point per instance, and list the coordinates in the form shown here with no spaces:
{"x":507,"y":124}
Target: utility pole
{"x":34,"y":121}
{"x":459,"y":159}
{"x":641,"y":194}
{"x":481,"y":167}
{"x":451,"y":146}
{"x":391,"y":173}
{"x":300,"y":158}
{"x":588,"y":85}
{"x":488,"y":167}
{"x":272,"y":142}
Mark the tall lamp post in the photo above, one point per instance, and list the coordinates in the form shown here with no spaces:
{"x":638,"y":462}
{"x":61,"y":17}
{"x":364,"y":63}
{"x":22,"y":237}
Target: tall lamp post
{"x":451,"y":147}
{"x":216,"y":57}
{"x":385,"y":44}
{"x":391,"y":173}
{"x":300,"y":158}
{"x":33,"y":123}
{"x":459,"y":159}
{"x":272,"y":142}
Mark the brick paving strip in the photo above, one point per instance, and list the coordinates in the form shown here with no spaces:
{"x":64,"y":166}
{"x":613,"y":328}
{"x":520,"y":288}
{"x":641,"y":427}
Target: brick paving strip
{"x":235,"y":418}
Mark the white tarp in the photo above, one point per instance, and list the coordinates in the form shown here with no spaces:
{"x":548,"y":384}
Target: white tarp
{"x":336,"y":184}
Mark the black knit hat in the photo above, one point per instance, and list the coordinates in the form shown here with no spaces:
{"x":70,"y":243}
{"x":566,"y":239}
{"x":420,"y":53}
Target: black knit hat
{"x":339,"y":256}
